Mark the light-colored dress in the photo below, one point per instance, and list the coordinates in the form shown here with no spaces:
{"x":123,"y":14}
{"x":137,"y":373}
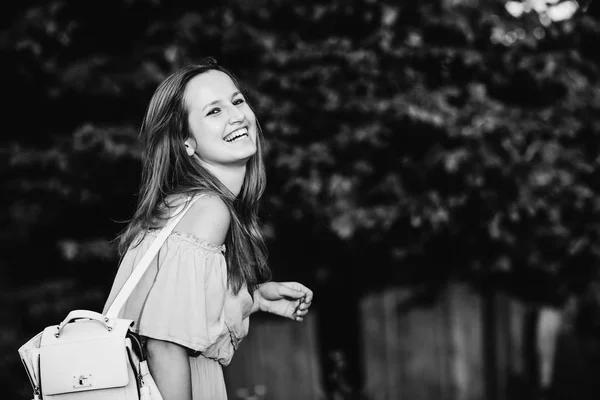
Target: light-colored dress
{"x":183,"y":298}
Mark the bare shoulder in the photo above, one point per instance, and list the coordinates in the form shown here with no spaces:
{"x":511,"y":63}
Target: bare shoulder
{"x":207,"y":219}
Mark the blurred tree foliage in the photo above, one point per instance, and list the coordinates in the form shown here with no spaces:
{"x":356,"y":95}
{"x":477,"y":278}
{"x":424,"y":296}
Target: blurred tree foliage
{"x":409,"y":142}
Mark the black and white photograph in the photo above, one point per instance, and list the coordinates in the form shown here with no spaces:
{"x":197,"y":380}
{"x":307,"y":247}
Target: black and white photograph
{"x":300,"y":200}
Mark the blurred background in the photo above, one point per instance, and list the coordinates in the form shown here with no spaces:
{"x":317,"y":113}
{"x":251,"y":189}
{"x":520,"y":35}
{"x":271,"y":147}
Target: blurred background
{"x":433,"y":175}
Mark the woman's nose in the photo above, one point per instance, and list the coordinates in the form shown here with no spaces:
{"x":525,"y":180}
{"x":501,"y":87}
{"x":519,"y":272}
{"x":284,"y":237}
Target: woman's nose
{"x":236,"y":115}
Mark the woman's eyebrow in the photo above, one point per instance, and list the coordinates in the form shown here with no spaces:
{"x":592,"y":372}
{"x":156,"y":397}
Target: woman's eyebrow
{"x":211,"y":104}
{"x":217,"y":101}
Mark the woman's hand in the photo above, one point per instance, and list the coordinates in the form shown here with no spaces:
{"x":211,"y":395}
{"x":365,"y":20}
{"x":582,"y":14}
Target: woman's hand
{"x":286,"y":299}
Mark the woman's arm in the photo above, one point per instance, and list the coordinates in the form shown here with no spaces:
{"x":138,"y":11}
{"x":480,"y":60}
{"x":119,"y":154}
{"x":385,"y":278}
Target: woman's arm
{"x":170,"y":368}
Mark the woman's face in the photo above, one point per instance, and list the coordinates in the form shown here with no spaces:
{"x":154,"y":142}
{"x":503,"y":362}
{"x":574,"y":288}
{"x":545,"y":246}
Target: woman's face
{"x":221,"y":122}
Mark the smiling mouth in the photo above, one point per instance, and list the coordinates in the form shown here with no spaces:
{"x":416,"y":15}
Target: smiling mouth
{"x":236,"y":135}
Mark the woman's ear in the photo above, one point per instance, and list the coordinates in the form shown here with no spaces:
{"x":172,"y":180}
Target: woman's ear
{"x":189,"y":147}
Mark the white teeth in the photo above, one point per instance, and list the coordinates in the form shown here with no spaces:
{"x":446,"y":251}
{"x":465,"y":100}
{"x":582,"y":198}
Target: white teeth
{"x":235,"y":139}
{"x":238,"y":134}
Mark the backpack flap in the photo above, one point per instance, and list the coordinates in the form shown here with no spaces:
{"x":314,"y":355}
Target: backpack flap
{"x":86,"y":356}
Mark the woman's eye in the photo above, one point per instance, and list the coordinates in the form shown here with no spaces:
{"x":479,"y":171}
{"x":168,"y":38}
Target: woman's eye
{"x":214,"y":111}
{"x":238,"y":101}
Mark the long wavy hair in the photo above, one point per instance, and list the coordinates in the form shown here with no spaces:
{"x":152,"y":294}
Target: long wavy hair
{"x":167,"y":170}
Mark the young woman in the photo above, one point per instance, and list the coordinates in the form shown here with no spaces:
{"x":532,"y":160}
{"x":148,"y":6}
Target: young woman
{"x":201,"y":141}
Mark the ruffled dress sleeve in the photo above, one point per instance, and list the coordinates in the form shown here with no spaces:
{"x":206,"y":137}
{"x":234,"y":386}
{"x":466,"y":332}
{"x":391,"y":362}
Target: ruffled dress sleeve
{"x":181,"y":298}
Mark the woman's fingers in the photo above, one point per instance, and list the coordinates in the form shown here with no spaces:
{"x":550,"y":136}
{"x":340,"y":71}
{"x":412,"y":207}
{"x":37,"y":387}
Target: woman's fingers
{"x":304,"y":305}
{"x":308,"y":294}
{"x":299,"y":315}
{"x":302,"y":313}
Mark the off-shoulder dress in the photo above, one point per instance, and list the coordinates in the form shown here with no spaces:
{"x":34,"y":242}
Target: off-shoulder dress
{"x":184,"y":298}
